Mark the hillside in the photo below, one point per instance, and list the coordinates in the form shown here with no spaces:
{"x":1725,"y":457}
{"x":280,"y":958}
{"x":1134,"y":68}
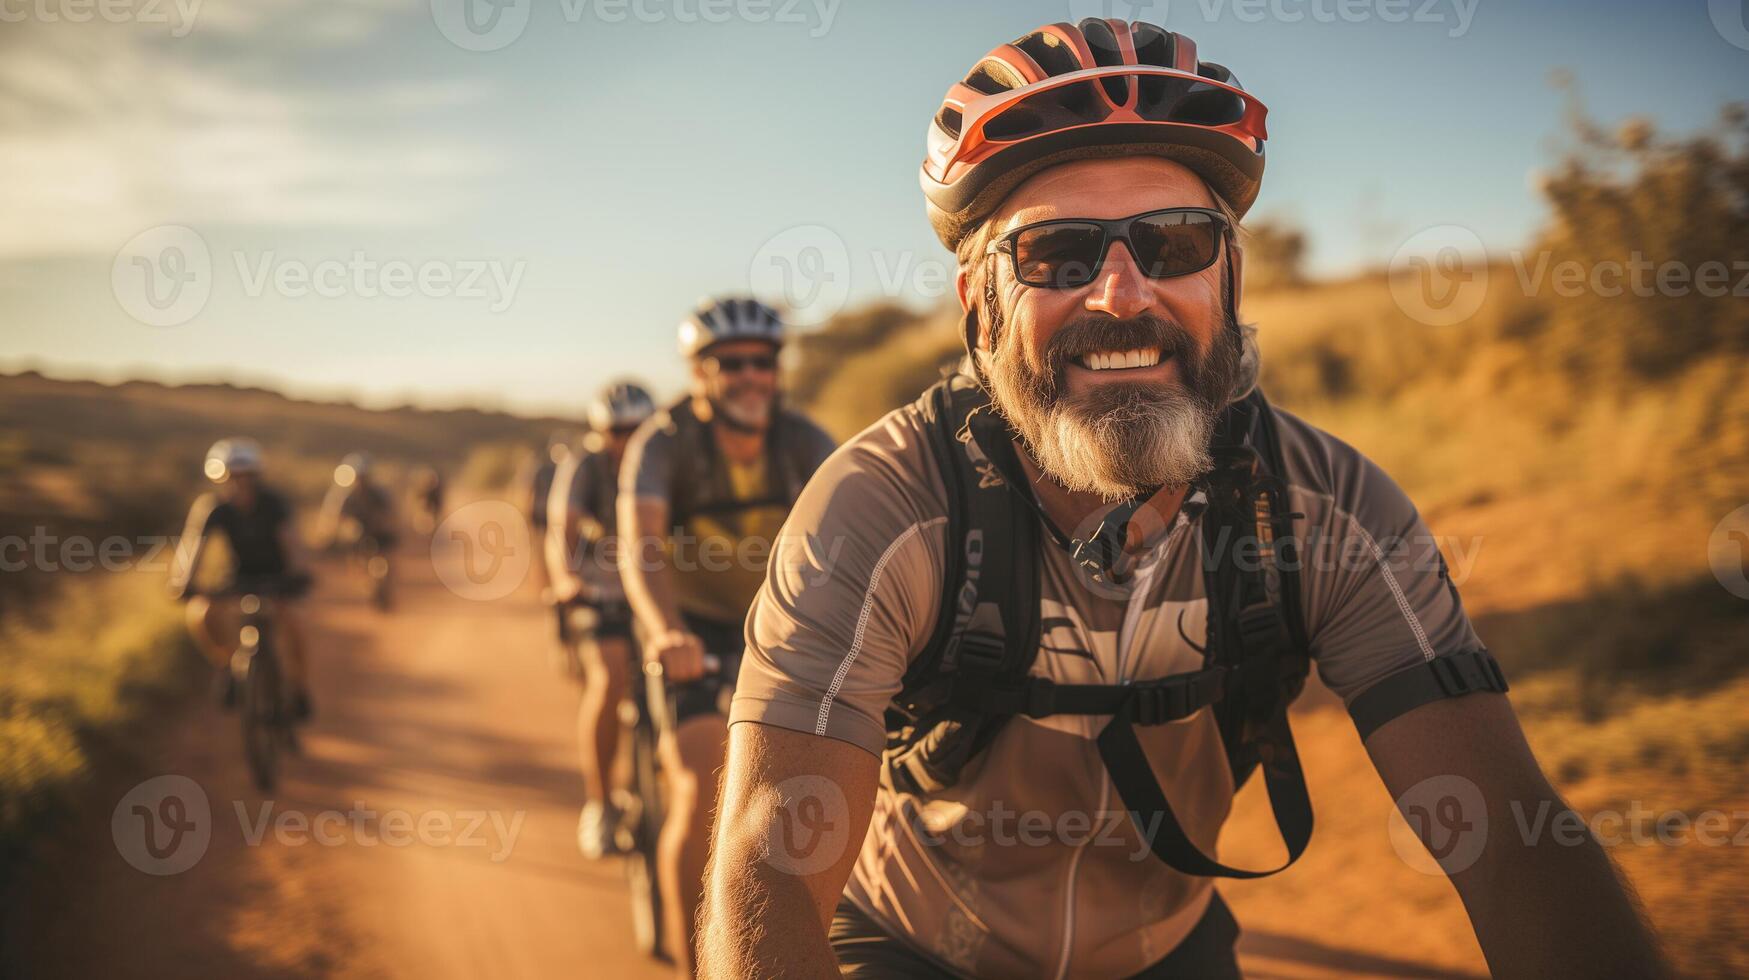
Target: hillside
{"x":84,"y":458}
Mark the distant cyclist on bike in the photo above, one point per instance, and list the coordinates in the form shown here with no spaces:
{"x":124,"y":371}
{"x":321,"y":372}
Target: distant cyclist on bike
{"x":1082,"y":581}
{"x":359,"y":519}
{"x":428,"y":495}
{"x":582,"y":538}
{"x":257,"y":524}
{"x":535,"y":483}
{"x":706,"y":485}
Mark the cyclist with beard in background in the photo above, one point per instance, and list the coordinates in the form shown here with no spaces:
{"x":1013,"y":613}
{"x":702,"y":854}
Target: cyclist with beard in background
{"x":706,"y":485}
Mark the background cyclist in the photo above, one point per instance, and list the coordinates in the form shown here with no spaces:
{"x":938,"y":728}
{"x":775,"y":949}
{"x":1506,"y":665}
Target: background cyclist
{"x":257,"y":524}
{"x":582,"y":521}
{"x":359,"y":518}
{"x":706,"y":485}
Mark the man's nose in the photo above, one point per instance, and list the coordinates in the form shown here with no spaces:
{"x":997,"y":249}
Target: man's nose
{"x":1120,"y":289}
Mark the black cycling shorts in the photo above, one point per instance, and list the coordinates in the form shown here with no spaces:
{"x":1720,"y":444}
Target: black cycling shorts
{"x":710,"y":694}
{"x":613,"y":621}
{"x":868,"y":952}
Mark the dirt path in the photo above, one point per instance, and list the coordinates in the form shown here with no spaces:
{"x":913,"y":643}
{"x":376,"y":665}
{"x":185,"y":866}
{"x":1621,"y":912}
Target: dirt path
{"x":428,"y":830}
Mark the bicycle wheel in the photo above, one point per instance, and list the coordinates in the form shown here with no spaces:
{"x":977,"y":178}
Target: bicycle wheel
{"x":646,"y":828}
{"x":261,"y":716}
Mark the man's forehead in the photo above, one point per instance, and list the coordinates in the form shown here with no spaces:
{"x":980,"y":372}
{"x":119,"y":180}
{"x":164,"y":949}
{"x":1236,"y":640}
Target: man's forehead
{"x":1112,"y":188}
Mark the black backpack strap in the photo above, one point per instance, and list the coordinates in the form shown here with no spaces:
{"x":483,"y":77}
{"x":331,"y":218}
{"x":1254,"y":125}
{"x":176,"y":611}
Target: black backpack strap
{"x":987,"y":627}
{"x":1252,"y":636}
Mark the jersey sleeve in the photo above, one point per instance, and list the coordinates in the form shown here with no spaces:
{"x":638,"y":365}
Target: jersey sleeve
{"x":648,"y":469}
{"x":1378,"y":598}
{"x":193,"y":541}
{"x":850,"y":596}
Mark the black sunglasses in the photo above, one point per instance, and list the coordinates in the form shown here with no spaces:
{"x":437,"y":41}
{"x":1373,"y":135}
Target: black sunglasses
{"x":1067,"y":252}
{"x":736,"y":363}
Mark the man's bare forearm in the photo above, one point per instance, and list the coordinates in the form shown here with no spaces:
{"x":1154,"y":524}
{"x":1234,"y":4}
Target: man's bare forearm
{"x":759,"y":921}
{"x":762,"y":918}
{"x":643,"y":565}
{"x":1541,"y":894}
{"x":1556,"y":906}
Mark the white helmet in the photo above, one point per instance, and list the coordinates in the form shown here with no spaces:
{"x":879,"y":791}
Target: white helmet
{"x":621,"y":405}
{"x":730,"y":318}
{"x":353,"y":468}
{"x":229,"y":456}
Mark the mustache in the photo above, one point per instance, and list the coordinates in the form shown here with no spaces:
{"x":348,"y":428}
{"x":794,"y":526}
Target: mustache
{"x":1091,"y":334}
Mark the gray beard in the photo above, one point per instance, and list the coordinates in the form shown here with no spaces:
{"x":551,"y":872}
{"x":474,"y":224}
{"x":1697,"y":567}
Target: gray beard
{"x":1118,"y":440}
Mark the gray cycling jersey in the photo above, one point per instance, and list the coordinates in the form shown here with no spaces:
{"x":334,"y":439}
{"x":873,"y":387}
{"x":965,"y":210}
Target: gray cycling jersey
{"x":1029,"y":866}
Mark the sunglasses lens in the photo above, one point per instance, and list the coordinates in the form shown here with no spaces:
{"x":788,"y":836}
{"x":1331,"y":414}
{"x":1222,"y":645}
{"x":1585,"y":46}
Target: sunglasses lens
{"x":1058,"y":255}
{"x":1175,"y":243}
{"x":735,"y":364}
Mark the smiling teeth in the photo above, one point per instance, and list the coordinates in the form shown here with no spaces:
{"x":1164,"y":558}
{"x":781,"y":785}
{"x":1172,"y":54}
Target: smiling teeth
{"x":1120,"y":360}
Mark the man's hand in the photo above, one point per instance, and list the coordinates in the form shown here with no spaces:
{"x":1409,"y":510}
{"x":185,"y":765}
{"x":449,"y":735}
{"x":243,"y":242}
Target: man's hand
{"x":681,"y":655}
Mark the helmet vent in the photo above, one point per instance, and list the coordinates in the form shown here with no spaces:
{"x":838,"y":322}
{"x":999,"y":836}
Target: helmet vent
{"x":949,"y":120}
{"x":983,"y":79}
{"x":1106,"y":54}
{"x":1052,"y":55}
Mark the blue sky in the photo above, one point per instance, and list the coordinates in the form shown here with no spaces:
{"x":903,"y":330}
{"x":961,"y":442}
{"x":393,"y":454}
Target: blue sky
{"x":617,"y":160}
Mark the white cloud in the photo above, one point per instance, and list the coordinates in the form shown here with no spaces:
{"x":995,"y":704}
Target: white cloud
{"x":109,"y":128}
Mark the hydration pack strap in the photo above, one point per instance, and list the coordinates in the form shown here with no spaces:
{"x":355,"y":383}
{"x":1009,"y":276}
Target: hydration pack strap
{"x":1152,"y":815}
{"x":1153,"y":702}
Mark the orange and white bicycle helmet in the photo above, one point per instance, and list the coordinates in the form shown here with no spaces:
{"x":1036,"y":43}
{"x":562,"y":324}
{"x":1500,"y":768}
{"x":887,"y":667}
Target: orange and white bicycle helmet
{"x":1100,"y":88}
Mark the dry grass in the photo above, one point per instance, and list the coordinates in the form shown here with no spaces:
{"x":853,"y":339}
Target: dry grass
{"x":78,"y":676}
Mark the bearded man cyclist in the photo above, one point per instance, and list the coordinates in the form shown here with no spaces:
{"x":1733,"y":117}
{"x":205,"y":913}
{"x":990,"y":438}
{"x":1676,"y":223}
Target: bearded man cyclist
{"x":706,"y":485}
{"x":581,"y":545}
{"x":1089,"y":178}
{"x":256,"y":523}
